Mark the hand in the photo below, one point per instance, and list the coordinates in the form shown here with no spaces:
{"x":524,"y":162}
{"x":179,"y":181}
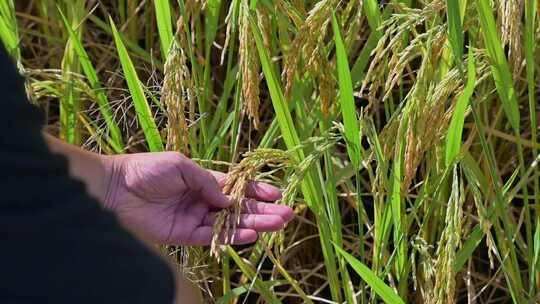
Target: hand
{"x":167,"y":198}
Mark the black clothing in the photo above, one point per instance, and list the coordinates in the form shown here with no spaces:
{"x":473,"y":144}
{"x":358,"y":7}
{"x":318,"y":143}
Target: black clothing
{"x":57,"y":245}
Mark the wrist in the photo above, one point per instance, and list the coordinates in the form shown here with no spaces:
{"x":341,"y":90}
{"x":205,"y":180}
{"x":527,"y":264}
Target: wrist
{"x":113,"y":167}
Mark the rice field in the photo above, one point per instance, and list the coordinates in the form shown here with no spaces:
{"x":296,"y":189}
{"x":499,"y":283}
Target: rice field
{"x":404,"y":133}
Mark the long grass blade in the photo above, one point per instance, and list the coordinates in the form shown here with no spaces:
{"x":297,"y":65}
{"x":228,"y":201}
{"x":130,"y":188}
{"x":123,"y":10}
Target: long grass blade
{"x":530,"y":48}
{"x":211,"y":25}
{"x":311,"y":193}
{"x":350,"y":120}
{"x":70,"y":101}
{"x":499,"y":64}
{"x":268,"y":295}
{"x":373,"y":14}
{"x":245,"y":288}
{"x":348,"y":108}
{"x":455,"y":130}
{"x":101,"y":98}
{"x":455,"y":29}
{"x":164,"y":22}
{"x":142,"y":108}
{"x":9,"y":33}
{"x":384,"y":291}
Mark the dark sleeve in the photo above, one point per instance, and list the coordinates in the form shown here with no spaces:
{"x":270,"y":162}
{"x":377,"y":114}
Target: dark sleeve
{"x":56,"y":243}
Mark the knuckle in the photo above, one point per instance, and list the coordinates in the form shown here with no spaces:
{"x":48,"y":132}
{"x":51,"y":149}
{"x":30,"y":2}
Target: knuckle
{"x":176,"y":157}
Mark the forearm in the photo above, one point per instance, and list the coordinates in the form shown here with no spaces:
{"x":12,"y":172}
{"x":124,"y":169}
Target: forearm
{"x":93,"y":169}
{"x":96,"y":172}
{"x":186,"y":292}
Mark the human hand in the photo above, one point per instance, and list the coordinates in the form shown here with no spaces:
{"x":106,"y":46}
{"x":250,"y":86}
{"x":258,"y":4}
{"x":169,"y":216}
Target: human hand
{"x":167,"y":198}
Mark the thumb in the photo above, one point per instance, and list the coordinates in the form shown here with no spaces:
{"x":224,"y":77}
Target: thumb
{"x":200,"y":180}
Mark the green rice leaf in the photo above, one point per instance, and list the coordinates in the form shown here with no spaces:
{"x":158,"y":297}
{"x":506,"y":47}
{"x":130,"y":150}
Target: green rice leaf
{"x":312,"y":193}
{"x":466,"y":251}
{"x":455,"y":130}
{"x":263,"y":289}
{"x":348,"y":108}
{"x":536,"y":248}
{"x":212,"y":17}
{"x":9,"y":33}
{"x":70,"y":100}
{"x":499,"y":64}
{"x":137,"y":51}
{"x":137,"y":92}
{"x":373,"y":14}
{"x":211,"y":26}
{"x":101,"y":98}
{"x":455,"y":29}
{"x":164,"y":22}
{"x":530,"y":48}
{"x":399,"y":217}
{"x":288,"y":130}
{"x":245,"y":288}
{"x":384,"y":291}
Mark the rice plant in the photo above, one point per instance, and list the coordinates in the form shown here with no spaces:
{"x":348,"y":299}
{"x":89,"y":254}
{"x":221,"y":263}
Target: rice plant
{"x":403,"y":133}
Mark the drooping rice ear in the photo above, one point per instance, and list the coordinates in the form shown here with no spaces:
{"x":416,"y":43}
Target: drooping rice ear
{"x":308,"y":41}
{"x":249,"y":67}
{"x":510,"y":24}
{"x":176,"y":93}
{"x":235,"y":186}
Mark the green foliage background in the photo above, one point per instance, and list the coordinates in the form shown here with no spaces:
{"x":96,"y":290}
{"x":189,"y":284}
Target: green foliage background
{"x":412,"y":126}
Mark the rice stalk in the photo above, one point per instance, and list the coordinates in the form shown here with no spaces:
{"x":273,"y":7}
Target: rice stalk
{"x":429,"y":235}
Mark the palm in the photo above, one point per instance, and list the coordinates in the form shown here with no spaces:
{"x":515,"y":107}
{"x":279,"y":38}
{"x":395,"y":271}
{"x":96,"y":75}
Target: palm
{"x":168,"y":199}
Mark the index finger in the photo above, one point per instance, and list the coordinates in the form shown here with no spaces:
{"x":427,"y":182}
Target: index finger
{"x":254,"y":207}
{"x":199,"y":179}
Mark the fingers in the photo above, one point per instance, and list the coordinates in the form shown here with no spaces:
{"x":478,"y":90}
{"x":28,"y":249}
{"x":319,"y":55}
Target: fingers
{"x":202,"y":236}
{"x":257,"y":222}
{"x":254,"y":207}
{"x":255,"y":190}
{"x":198,"y":179}
{"x":259,"y":216}
{"x":262,"y":191}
